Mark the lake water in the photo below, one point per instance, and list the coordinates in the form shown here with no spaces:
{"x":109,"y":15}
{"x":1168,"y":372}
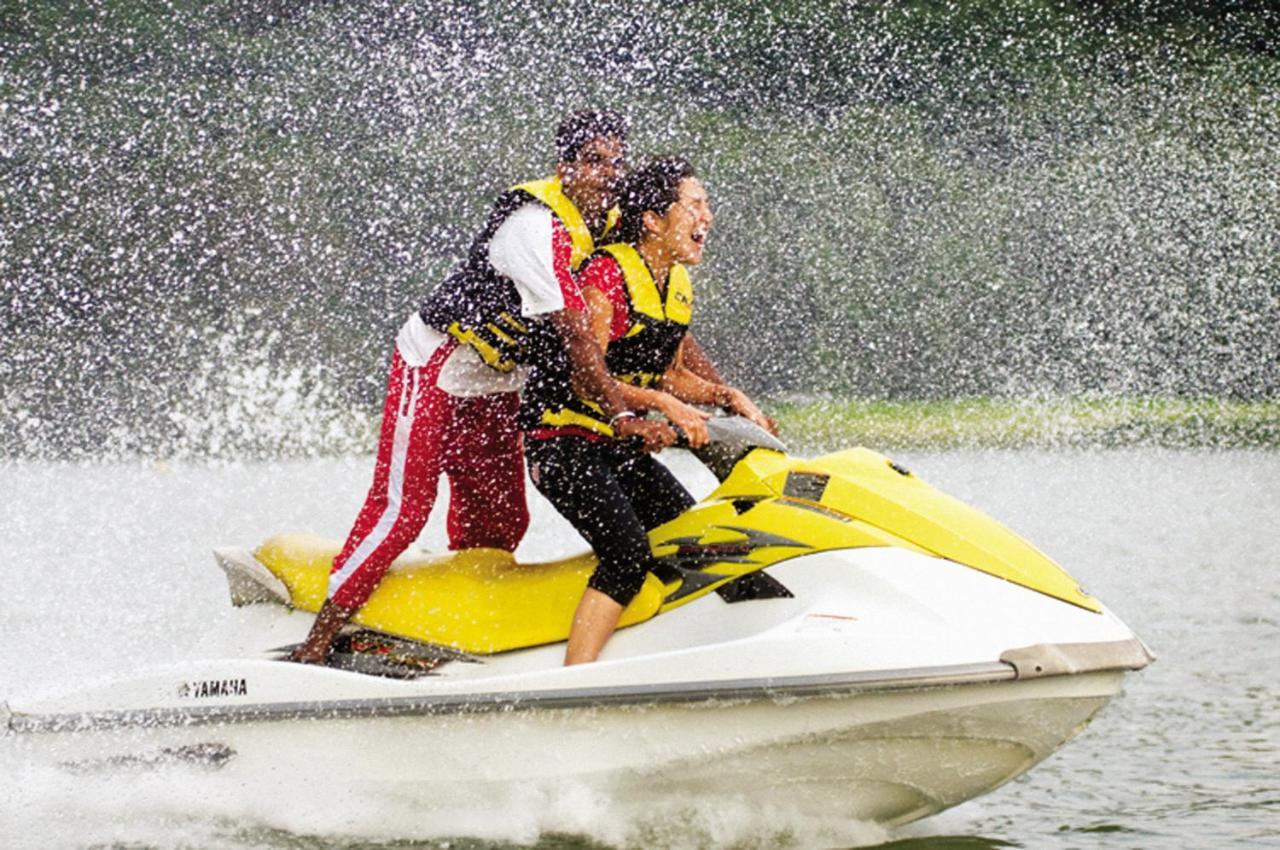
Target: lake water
{"x":107,"y":568}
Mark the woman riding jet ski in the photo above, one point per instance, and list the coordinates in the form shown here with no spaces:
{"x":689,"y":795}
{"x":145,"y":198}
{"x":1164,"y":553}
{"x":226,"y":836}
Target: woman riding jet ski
{"x":641,"y":302}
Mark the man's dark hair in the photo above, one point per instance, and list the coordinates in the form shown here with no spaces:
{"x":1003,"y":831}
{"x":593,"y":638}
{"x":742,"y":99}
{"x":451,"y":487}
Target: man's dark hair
{"x":653,"y":186}
{"x":578,"y":128}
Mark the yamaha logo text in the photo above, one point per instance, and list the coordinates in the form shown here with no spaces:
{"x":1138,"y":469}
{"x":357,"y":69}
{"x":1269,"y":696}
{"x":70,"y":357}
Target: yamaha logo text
{"x":214,"y":688}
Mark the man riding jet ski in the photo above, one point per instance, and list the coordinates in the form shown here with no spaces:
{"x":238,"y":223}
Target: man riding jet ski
{"x":459,"y":363}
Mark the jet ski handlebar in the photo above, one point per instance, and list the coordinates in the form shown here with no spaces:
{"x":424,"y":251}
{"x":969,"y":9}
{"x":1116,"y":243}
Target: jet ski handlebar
{"x":742,"y":432}
{"x":731,"y":438}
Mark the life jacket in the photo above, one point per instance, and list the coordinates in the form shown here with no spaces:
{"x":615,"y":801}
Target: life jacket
{"x":479,"y":306}
{"x":657,"y":324}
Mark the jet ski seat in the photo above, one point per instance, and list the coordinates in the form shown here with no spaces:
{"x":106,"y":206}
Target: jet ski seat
{"x":479,"y":601}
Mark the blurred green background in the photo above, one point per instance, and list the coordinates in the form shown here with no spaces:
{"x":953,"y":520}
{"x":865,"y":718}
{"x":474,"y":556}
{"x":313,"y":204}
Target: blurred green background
{"x":937,"y":223}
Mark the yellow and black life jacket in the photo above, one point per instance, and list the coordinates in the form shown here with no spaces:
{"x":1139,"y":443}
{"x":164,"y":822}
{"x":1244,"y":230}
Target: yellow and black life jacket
{"x":657,"y":324}
{"x":481,"y":307}
{"x":551,"y":193}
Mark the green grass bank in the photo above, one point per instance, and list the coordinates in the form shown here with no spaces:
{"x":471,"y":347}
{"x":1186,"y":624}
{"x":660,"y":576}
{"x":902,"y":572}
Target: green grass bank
{"x":1028,"y":423}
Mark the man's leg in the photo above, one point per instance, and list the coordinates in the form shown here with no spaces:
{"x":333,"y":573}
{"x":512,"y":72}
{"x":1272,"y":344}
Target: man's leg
{"x":405,"y":477}
{"x":484,"y":460}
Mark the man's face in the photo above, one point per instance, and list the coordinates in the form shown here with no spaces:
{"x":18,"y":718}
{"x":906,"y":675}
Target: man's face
{"x":592,"y":176}
{"x":682,"y":232}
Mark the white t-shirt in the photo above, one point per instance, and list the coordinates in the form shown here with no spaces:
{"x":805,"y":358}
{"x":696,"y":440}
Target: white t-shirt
{"x":525,"y":248}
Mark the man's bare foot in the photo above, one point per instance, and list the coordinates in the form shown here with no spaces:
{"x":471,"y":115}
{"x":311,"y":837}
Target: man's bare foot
{"x":330,"y":620}
{"x":299,"y":656}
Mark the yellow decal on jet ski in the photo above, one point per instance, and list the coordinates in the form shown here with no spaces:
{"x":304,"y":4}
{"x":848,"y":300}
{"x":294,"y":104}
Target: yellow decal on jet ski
{"x":859,"y":498}
{"x":770,"y":509}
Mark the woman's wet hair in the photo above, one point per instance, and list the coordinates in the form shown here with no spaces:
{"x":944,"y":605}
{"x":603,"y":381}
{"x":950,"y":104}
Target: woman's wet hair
{"x":654,"y":186}
{"x":580,"y":127}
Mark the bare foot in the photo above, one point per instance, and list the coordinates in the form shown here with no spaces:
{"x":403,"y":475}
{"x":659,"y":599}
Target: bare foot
{"x":330,"y":620}
{"x":301,"y":656}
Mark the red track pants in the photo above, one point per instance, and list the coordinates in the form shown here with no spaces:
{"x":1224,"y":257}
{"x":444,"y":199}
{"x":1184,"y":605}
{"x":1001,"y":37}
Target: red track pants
{"x":425,"y":431}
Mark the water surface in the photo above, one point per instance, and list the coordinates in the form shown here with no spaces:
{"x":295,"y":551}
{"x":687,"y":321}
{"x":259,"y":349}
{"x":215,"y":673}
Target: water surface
{"x":107,"y":568}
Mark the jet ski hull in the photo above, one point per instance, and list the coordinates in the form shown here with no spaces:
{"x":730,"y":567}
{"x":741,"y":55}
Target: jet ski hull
{"x":888,"y":751}
{"x":888,"y":686}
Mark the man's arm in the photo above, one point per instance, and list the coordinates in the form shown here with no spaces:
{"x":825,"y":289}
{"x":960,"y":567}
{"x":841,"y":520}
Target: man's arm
{"x":697,"y":362}
{"x":533,"y":249}
{"x":592,"y":381}
{"x":688,"y":419}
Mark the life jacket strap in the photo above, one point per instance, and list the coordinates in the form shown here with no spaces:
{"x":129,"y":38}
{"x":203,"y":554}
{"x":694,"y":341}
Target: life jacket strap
{"x":551,"y":192}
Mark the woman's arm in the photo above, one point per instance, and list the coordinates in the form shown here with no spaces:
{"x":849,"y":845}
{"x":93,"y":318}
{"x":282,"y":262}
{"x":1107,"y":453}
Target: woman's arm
{"x":697,"y":361}
{"x":686,"y":384}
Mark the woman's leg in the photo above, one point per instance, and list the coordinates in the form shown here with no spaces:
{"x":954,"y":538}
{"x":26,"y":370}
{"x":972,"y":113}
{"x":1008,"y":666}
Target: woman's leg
{"x":656,"y":494}
{"x":576,"y":477}
{"x":594,"y":622}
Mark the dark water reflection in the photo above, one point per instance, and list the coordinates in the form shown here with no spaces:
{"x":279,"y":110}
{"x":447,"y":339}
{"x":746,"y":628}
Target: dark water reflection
{"x":947,"y":842}
{"x":289,"y":841}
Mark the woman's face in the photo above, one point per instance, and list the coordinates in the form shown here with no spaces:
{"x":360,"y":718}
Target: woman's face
{"x":682,"y":232}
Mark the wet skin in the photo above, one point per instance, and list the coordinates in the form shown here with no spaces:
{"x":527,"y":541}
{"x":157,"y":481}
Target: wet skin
{"x":680,"y":235}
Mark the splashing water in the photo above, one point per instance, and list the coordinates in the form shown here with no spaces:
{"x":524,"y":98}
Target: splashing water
{"x":914,"y":200}
{"x":216,"y":214}
{"x":226,"y":811}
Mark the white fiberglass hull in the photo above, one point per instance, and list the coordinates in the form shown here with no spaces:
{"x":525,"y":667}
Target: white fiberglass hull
{"x":884,"y":755}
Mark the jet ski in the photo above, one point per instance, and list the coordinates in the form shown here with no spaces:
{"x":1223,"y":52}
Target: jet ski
{"x":832,"y":635}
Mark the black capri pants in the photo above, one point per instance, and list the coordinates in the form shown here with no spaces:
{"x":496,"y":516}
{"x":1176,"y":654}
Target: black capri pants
{"x":613,"y":494}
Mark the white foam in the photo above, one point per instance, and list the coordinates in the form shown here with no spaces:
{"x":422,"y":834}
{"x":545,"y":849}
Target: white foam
{"x":184,"y":806}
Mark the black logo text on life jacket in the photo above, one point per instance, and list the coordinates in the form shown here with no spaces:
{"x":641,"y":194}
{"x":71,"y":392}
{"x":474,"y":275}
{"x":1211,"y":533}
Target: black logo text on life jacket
{"x":214,"y":688}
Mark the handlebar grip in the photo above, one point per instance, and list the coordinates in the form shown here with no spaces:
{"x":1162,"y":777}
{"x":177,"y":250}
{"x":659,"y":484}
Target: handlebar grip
{"x":635,"y":441}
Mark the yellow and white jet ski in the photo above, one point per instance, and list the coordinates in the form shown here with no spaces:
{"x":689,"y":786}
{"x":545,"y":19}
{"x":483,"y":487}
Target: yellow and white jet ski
{"x":830,"y":634}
